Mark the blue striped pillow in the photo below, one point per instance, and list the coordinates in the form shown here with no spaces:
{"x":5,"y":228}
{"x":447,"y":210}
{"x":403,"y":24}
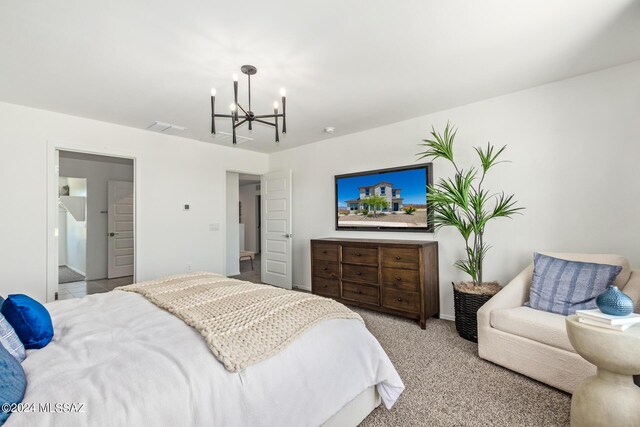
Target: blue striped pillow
{"x":10,"y":341}
{"x":561,"y":286}
{"x":13,"y":384}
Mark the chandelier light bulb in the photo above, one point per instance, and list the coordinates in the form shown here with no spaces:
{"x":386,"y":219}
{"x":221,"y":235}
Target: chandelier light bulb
{"x":213,"y":91}
{"x":235,"y":77}
{"x":233,"y":107}
{"x":275,"y":105}
{"x":283,"y":92}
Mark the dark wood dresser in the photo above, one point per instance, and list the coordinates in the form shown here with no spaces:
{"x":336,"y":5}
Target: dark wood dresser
{"x":393,"y":276}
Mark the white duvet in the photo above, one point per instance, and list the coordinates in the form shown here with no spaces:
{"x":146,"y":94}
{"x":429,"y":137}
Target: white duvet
{"x":128,"y":363}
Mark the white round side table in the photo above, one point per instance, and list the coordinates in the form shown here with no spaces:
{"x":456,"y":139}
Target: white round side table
{"x":609,"y":398}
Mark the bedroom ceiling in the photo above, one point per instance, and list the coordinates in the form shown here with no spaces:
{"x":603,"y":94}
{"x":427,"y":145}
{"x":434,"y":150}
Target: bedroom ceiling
{"x":354,"y":64}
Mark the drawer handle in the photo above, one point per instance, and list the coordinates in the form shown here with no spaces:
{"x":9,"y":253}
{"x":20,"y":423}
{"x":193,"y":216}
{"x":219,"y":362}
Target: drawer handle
{"x":398,"y":278}
{"x":326,"y":268}
{"x":324,"y":252}
{"x":399,"y":299}
{"x":359,"y":292}
{"x":358,"y":254}
{"x":398,"y":258}
{"x":358,"y":273}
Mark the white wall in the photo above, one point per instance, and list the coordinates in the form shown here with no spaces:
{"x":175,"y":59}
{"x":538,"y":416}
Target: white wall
{"x":575,"y":151}
{"x":75,"y":236}
{"x":97,"y":174}
{"x":248,"y":195}
{"x":171,"y":171}
{"x":233,"y":229}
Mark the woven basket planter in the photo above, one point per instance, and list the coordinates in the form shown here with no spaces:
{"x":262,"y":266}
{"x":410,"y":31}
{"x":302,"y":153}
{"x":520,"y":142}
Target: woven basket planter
{"x":466,"y":308}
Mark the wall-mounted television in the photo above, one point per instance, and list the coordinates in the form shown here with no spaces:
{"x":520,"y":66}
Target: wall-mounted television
{"x":392,"y":199}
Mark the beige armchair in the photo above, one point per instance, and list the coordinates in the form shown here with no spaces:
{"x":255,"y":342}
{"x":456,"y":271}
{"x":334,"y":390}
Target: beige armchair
{"x":533,"y":342}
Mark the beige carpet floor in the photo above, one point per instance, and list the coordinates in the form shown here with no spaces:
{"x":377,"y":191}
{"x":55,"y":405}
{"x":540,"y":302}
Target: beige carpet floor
{"x":447,"y":384}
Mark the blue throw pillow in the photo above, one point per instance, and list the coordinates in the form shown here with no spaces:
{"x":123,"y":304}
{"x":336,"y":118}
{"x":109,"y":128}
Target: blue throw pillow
{"x":30,"y":319}
{"x":561,"y":286}
{"x":10,"y":341}
{"x":13,"y":382}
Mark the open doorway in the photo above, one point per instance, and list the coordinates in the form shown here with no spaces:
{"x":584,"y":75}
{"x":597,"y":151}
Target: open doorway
{"x":243,"y":227}
{"x":96,"y":218}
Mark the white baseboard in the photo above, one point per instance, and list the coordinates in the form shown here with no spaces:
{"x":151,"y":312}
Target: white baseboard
{"x":447,"y":317}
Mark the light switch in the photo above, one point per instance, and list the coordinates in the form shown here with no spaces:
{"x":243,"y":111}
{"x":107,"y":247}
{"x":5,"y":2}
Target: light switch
{"x":186,"y":207}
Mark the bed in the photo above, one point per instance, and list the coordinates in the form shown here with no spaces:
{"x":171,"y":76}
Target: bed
{"x":124,"y":361}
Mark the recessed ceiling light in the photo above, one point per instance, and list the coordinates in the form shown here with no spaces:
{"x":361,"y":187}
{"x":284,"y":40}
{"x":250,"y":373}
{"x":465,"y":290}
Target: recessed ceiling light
{"x":329,"y":129}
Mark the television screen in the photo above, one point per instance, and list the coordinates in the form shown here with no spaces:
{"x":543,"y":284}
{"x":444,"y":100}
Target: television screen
{"x":387,"y":199}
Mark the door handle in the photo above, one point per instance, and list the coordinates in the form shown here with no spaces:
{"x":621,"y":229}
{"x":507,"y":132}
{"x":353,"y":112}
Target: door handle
{"x":288,"y":235}
{"x":113,"y":234}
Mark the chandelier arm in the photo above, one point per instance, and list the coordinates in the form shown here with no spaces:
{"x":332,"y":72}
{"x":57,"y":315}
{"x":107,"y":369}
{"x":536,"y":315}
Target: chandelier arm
{"x":240,"y":123}
{"x":226,"y":116}
{"x":263,"y":122}
{"x":268,"y":116}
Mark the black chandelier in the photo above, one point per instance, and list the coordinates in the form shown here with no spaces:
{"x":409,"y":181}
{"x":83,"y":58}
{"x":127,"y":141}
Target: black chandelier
{"x":248,"y":115}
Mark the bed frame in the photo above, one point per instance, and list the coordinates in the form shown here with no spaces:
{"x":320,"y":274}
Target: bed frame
{"x":354,"y":412}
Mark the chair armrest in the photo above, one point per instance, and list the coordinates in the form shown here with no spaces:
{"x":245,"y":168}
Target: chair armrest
{"x":514,"y":294}
{"x":632,"y":288}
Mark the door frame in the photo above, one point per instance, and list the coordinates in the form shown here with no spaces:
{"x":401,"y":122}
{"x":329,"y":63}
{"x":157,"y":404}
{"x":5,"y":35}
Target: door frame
{"x":53,"y":147}
{"x":223,"y":226}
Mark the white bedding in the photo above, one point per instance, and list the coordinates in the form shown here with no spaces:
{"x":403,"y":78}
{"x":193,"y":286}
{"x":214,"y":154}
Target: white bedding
{"x":130,"y":363}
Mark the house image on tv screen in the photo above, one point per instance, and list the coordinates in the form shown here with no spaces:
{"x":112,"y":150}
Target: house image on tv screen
{"x":382,"y":189}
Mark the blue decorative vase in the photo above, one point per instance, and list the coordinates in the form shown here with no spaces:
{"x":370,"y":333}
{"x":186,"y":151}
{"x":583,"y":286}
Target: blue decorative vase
{"x":614,"y":302}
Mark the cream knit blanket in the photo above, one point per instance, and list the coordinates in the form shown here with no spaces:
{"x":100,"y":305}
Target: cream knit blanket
{"x":243,"y":323}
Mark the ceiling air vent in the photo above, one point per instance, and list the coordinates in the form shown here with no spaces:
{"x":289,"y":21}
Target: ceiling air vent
{"x":167,"y":128}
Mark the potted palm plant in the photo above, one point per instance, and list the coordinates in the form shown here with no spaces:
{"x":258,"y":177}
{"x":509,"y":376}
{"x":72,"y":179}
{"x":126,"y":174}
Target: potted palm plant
{"x":462,"y":202}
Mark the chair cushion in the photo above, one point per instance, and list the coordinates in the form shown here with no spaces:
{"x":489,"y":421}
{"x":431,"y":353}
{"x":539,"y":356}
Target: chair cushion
{"x":30,"y":319}
{"x":621,"y":279}
{"x":540,"y":326}
{"x":13,"y":384}
{"x":562,"y":286}
{"x":10,"y":341}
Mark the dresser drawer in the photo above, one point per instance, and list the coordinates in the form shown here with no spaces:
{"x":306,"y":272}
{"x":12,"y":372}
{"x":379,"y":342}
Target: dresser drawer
{"x":361,"y":293}
{"x":402,"y":279}
{"x":326,"y":269}
{"x":360,"y":255}
{"x":324,"y":251}
{"x":325,"y":287}
{"x":401,"y":300}
{"x":360,"y":273}
{"x":401,"y":258}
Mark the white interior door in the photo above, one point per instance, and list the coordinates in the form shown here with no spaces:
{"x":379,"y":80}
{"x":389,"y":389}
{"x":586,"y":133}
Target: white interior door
{"x":276,"y":229}
{"x":120,"y":228}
